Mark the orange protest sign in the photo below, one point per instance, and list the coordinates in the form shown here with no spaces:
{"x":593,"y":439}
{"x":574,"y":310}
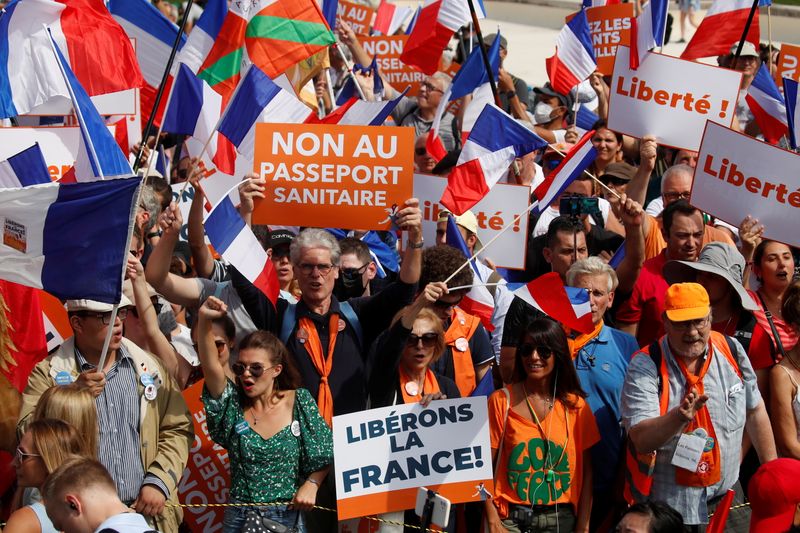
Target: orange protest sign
{"x":357,"y":15}
{"x":788,"y":63}
{"x":207,"y":477}
{"x":609,"y":26}
{"x":388,"y":49}
{"x":325,"y":175}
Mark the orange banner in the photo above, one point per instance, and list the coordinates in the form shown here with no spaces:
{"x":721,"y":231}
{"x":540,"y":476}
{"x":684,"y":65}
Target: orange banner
{"x":609,"y":26}
{"x":320,"y":175}
{"x":357,"y":15}
{"x":396,"y":73}
{"x":207,"y":477}
{"x":788,"y":63}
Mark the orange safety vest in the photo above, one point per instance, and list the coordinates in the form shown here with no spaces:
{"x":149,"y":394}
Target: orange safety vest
{"x":462,"y":326}
{"x":639,"y":467}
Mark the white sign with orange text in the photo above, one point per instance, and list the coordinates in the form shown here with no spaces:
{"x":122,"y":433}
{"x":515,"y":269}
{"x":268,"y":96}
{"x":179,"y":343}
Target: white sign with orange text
{"x":59,"y":145}
{"x":670,"y":98}
{"x":737,"y":175}
{"x":493,"y":212}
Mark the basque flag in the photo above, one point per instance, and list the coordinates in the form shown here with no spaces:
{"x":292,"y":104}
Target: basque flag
{"x":574,"y":59}
{"x":792,"y":111}
{"x":568,"y":305}
{"x":768,"y":106}
{"x":478,"y":301}
{"x":69,"y":239}
{"x":493,"y":144}
{"x":238,"y":245}
{"x":204,"y":33}
{"x":647,"y":30}
{"x":577,"y":160}
{"x":721,"y":27}
{"x":24,"y":168}
{"x":258,"y":99}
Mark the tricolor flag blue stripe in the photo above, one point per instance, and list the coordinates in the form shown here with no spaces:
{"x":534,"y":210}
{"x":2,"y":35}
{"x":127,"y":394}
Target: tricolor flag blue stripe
{"x":792,"y":111}
{"x":578,"y":159}
{"x":24,"y":168}
{"x":68,"y":239}
{"x":647,"y":30}
{"x":579,"y":298}
{"x":485,"y":386}
{"x":203,"y":35}
{"x":585,"y":118}
{"x":413,"y":21}
{"x":574,"y":59}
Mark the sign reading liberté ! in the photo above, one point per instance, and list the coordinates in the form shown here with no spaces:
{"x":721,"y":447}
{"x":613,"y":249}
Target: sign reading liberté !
{"x":737,"y":175}
{"x":384,"y":455}
{"x":670,"y":98}
{"x":387,"y":49}
{"x":357,"y":15}
{"x":323,"y":175}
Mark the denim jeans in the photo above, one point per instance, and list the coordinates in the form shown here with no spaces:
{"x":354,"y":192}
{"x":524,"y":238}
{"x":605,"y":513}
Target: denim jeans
{"x":235,"y":517}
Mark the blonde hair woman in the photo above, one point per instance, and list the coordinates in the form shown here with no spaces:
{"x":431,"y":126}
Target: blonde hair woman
{"x":74,"y":406}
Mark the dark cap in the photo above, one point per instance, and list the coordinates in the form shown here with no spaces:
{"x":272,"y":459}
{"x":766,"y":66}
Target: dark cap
{"x":548,"y":90}
{"x":278,"y":237}
{"x":620,"y":170}
{"x":489,"y":40}
{"x":183,"y":251}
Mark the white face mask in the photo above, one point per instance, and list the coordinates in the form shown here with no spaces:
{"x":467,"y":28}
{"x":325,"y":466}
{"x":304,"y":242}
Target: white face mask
{"x":542,"y":112}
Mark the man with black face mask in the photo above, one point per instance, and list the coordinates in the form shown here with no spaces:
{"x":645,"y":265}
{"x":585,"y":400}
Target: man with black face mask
{"x":356,"y":270}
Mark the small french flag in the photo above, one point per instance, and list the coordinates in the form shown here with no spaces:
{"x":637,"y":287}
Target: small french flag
{"x":767,"y":105}
{"x":578,"y":159}
{"x":567,"y":305}
{"x":574,"y":59}
{"x":357,"y":112}
{"x":792,"y":111}
{"x":389,"y":17}
{"x":204,"y":33}
{"x":647,"y":30}
{"x":493,"y":144}
{"x":478,"y":301}
{"x":24,"y":168}
{"x":238,"y":245}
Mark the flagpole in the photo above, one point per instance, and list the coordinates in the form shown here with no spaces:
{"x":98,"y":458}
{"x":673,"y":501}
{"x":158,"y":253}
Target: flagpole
{"x":349,"y":69}
{"x":162,"y":86}
{"x":769,"y":35}
{"x":603,"y":185}
{"x":747,"y":24}
{"x":484,"y":53}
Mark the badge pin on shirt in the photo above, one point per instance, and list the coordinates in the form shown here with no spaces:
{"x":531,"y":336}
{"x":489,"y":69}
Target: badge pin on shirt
{"x":462,"y":344}
{"x":302,"y":335}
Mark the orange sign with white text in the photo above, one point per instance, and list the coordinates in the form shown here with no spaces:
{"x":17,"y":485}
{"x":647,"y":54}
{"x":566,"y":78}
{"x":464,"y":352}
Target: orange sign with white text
{"x":789,"y":63}
{"x":357,"y":15}
{"x":609,"y":26}
{"x":387,"y":48}
{"x":322,"y":175}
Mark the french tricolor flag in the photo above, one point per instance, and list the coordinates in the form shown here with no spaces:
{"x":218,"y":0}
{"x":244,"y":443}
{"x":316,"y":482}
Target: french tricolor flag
{"x":99,"y":156}
{"x":598,"y":3}
{"x":203,"y":35}
{"x":574,"y":59}
{"x":357,"y":112}
{"x":723,"y":25}
{"x":389,"y":18}
{"x":471,"y":78}
{"x":493,"y":144}
{"x":433,"y":28}
{"x":577,"y":160}
{"x":238,"y":245}
{"x":24,"y":168}
{"x":767,"y":105}
{"x":478,"y":301}
{"x":647,"y":30}
{"x":258,"y":99}
{"x":792,"y":111}
{"x":29,"y":75}
{"x":568,"y":305}
{"x":194,"y":109}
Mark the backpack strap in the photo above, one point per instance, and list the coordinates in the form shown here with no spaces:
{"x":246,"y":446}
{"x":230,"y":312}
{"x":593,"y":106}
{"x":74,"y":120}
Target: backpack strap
{"x":352,"y":318}
{"x":505,"y":422}
{"x":289,"y":319}
{"x":727,"y":349}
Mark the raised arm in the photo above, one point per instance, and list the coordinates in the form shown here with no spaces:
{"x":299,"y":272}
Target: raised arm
{"x":252,"y":187}
{"x":201,"y":255}
{"x":409,"y":219}
{"x":632,"y":216}
{"x":213,"y":371}
{"x":637,"y":187}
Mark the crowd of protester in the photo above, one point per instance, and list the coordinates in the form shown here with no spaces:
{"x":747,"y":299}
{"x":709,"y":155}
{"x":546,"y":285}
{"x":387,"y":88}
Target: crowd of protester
{"x":695,"y":339}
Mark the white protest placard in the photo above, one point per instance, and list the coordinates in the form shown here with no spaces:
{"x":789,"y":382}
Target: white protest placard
{"x":737,"y":175}
{"x":670,"y":98}
{"x":119,"y":103}
{"x":493,"y":212}
{"x":383,"y":455}
{"x":59,"y":145}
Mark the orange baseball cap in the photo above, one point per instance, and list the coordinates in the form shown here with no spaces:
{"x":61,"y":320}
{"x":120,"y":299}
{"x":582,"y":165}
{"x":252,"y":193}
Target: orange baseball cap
{"x":686,"y":301}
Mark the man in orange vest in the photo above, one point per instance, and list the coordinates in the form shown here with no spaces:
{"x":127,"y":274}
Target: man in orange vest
{"x":688,"y":398}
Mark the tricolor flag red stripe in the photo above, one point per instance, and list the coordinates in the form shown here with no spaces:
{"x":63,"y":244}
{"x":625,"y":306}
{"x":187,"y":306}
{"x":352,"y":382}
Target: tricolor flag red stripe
{"x":574,"y":59}
{"x":478,"y":301}
{"x":577,"y":160}
{"x":548,"y":294}
{"x":721,"y":27}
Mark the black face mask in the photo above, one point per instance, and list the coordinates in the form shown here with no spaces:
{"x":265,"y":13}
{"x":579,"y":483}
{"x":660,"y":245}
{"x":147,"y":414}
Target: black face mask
{"x":348,"y":284}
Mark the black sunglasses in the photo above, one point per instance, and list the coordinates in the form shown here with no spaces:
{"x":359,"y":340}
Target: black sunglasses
{"x":256,"y":369}
{"x":527,"y":349}
{"x":428,"y":339}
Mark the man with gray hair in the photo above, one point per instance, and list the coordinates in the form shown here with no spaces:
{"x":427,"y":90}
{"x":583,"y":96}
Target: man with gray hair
{"x":421,"y":111}
{"x":601,"y":361}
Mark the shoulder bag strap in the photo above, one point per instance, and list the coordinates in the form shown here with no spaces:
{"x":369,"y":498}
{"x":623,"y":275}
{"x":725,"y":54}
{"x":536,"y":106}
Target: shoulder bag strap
{"x":775,"y":334}
{"x":503,"y":434}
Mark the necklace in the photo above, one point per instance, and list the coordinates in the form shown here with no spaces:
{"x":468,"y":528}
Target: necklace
{"x":269,"y":408}
{"x":590,"y":357}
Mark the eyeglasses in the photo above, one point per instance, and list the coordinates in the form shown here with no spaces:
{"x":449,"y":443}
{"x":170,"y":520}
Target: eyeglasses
{"x":428,"y":339}
{"x":21,"y":456}
{"x":430,"y":87}
{"x":699,"y":323}
{"x":420,"y":151}
{"x":527,"y":349}
{"x":675,"y":196}
{"x":308,"y":269}
{"x":442,"y":304}
{"x":354,"y":273}
{"x":105,"y":318}
{"x":256,"y":369}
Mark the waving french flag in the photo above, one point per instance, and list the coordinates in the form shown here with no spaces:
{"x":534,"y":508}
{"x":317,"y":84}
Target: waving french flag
{"x":493,"y":144}
{"x":722,"y":26}
{"x":433,"y":28}
{"x":574,"y":59}
{"x":478,"y":301}
{"x":792,"y":111}
{"x":577,"y":160}
{"x":471,"y":78}
{"x":238,"y":245}
{"x":99,"y":156}
{"x":598,"y":3}
{"x":29,"y":75}
{"x":24,"y":168}
{"x":647,"y":30}
{"x":203,"y":35}
{"x":568,"y":305}
{"x":389,"y":17}
{"x":258,"y":99}
{"x":359,"y":112}
{"x":767,"y":105}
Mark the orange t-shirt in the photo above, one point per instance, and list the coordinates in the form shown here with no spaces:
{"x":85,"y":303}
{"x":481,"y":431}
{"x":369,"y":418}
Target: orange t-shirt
{"x":654,"y":241}
{"x":520,"y":475}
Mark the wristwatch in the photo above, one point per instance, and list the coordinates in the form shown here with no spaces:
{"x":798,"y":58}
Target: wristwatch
{"x":416,"y":245}
{"x":511,"y":94}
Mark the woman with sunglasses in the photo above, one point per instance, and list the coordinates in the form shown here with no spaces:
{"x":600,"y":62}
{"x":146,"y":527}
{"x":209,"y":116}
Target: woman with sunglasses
{"x":541,"y":431}
{"x":279,"y":446}
{"x":43,"y":447}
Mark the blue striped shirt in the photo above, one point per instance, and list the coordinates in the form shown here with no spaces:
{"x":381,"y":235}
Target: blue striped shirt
{"x":118,"y":419}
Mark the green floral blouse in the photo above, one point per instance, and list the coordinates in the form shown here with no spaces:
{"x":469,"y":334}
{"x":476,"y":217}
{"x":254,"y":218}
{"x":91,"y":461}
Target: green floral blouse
{"x":268,"y":470}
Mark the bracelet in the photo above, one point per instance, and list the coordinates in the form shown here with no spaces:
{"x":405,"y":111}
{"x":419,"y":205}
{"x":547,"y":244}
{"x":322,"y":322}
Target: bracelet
{"x":312,"y":480}
{"x":153,"y":234}
{"x":511,"y":94}
{"x":416,"y":245}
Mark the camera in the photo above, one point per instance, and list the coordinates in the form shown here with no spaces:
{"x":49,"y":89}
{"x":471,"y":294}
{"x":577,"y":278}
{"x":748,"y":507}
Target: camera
{"x":522,"y":516}
{"x":577,"y":206}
